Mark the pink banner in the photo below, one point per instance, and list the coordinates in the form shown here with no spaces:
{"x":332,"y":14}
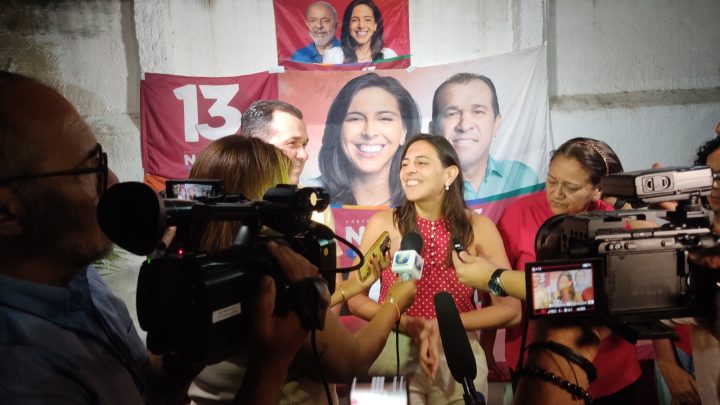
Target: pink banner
{"x":305,"y":27}
{"x":180,"y":115}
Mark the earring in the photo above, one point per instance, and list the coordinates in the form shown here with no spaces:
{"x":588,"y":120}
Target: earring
{"x":447,"y":187}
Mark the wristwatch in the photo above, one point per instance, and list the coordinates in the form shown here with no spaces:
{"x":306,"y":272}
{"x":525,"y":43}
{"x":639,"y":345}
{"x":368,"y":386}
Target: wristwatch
{"x":495,"y":286}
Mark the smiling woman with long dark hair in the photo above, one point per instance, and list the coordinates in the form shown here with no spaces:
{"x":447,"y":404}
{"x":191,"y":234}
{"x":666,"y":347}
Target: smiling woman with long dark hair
{"x":361,"y":36}
{"x":367,"y":123}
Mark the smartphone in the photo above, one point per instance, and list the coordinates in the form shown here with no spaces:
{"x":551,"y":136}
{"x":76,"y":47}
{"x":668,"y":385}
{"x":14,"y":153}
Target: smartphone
{"x":185,"y":189}
{"x":379,"y":249}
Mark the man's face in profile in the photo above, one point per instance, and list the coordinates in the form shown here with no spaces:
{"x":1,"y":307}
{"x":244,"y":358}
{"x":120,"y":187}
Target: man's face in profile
{"x":289,"y":133}
{"x":321,"y":25}
{"x":466,"y":118}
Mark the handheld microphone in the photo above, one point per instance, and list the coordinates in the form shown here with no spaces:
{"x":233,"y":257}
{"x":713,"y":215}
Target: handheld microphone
{"x":407,"y":261}
{"x":460,"y":357}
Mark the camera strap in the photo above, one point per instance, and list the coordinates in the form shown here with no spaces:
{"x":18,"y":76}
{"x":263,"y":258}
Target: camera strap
{"x":567,"y":353}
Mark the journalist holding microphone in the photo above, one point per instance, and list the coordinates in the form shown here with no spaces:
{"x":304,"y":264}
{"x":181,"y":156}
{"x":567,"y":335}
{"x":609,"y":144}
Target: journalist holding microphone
{"x":434,"y":207}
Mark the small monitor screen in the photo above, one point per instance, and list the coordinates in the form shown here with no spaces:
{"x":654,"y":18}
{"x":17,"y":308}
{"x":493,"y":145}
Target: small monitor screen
{"x":557,"y":288}
{"x":192,"y":189}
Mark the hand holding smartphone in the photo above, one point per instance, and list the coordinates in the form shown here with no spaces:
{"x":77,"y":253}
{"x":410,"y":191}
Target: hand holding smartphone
{"x":379,"y":250}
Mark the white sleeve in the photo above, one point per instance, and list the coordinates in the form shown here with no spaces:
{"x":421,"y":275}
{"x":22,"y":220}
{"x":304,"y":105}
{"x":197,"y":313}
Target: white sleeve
{"x":388,"y":53}
{"x":333,"y":56}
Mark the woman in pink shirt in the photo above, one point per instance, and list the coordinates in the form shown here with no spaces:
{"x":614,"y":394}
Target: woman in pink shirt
{"x":572,"y":187}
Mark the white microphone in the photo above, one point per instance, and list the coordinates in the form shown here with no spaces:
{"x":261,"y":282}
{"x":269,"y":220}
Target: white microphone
{"x":407,"y":261}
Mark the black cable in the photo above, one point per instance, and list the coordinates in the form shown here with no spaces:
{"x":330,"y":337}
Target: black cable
{"x":573,"y":371}
{"x":526,"y":322}
{"x":397,"y":350}
{"x":319,"y":366}
{"x":357,"y":252}
{"x":325,"y":232}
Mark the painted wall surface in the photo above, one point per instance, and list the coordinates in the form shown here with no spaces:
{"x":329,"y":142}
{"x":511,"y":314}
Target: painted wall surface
{"x":88,"y":51}
{"x":642,"y":75}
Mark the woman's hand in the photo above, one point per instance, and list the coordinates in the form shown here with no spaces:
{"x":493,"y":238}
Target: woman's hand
{"x":429,"y":348}
{"x":403,"y":292}
{"x":375,"y":268}
{"x":680,"y":384}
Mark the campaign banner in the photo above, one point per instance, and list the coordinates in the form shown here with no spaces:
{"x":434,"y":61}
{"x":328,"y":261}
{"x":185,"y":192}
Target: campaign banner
{"x":342,"y":34}
{"x":358,"y":121}
{"x":180,"y":115}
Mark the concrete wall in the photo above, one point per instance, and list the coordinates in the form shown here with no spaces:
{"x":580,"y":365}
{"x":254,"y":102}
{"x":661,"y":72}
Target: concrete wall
{"x":642,"y":75}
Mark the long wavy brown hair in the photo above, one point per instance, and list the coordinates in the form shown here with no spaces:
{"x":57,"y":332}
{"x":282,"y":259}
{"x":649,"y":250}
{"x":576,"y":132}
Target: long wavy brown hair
{"x":245,"y":165}
{"x":453,"y":205}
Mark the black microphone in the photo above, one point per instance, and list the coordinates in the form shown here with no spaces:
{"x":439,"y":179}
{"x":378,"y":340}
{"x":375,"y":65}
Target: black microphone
{"x":460,"y":357}
{"x":407,"y":261}
{"x":134,"y":216}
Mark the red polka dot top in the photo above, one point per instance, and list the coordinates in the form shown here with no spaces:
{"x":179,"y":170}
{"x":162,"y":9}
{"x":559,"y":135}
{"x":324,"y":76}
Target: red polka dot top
{"x":437,"y":274}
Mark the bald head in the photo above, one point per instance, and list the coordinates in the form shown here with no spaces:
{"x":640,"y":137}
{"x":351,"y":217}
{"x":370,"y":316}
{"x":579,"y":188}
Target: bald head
{"x":29,"y":112}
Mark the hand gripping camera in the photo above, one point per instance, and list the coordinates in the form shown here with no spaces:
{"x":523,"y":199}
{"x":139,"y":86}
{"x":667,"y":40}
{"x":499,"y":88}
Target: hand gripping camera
{"x":195,"y":303}
{"x":600,"y":266}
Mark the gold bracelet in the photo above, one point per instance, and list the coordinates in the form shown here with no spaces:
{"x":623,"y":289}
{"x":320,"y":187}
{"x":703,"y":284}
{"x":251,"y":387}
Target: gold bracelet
{"x":391,"y":300}
{"x":344,"y":298}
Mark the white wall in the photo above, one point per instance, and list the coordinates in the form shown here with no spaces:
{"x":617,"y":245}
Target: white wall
{"x":642,"y":75}
{"x":88,"y":51}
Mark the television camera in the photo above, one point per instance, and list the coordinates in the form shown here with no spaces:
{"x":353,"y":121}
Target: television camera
{"x":193,"y":302}
{"x":632,"y":263}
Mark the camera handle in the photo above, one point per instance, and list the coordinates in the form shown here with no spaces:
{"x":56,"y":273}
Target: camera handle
{"x":634,"y":331}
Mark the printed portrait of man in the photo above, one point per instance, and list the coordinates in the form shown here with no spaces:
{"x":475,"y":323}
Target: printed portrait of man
{"x":465,"y":110}
{"x":321,"y":20}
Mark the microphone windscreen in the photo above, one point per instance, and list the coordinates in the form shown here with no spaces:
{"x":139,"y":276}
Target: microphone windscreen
{"x":460,"y":357}
{"x":132,"y":215}
{"x":412,"y":241}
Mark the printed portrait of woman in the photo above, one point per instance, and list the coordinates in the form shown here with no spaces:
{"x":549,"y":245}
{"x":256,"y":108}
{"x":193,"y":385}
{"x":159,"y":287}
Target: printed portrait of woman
{"x":368,"y":121}
{"x":361,"y":36}
{"x":566,"y":293}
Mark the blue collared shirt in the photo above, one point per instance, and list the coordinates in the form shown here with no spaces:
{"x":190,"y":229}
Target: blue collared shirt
{"x":309,"y":54}
{"x":502,"y":176}
{"x":69,"y":345}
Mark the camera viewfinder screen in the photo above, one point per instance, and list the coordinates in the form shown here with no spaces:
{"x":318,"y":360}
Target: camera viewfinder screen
{"x":561,"y":288}
{"x":191,"y":191}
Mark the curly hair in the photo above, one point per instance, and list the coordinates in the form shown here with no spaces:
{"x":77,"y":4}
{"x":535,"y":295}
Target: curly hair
{"x":705,"y":150}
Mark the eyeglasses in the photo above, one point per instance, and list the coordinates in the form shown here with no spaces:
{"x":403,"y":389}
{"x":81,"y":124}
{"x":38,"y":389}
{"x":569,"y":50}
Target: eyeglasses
{"x":101,"y":170}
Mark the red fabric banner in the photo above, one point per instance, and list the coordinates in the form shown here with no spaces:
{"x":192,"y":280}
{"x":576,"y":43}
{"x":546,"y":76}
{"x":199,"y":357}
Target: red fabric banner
{"x":180,"y":115}
{"x":295,"y":31}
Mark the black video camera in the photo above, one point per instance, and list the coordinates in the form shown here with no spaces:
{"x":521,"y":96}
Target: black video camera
{"x":598,"y":266}
{"x":194,"y":302}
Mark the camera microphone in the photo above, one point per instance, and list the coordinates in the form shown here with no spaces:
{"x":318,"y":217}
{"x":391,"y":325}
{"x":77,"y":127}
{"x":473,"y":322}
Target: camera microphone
{"x":460,"y":357}
{"x":133,"y":216}
{"x":407,"y":261}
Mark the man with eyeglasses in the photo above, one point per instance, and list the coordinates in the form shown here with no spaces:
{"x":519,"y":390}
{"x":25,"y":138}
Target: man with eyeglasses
{"x":64,"y":337}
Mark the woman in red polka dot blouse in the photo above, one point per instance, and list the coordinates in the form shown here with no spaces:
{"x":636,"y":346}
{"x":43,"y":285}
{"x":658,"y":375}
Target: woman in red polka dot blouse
{"x":433,"y":206}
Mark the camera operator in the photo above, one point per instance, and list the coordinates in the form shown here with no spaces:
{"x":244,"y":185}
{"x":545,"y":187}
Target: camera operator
{"x":342,"y":355}
{"x":64,"y":337}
